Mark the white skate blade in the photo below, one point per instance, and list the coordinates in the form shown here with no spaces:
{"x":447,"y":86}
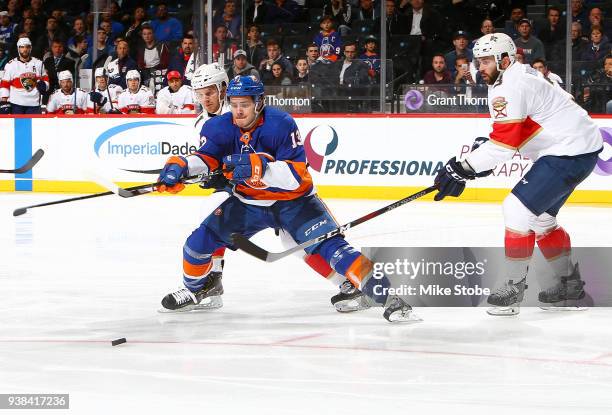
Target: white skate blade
{"x":404,"y":316}
{"x":355,"y":304}
{"x":209,"y":303}
{"x":567,"y":305}
{"x":511,"y":310}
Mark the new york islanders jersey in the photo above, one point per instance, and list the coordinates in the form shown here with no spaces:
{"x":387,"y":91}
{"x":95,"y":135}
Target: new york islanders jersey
{"x":141,"y":102}
{"x":536,"y":117}
{"x":329,"y":45}
{"x":276,"y":135}
{"x":19,"y":81}
{"x":111,"y":93}
{"x":75,"y":103}
{"x":179,"y":102}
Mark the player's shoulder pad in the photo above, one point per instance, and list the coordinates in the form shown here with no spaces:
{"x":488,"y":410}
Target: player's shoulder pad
{"x":144,"y":88}
{"x":83,"y":91}
{"x":217,"y":125}
{"x":11,"y":61}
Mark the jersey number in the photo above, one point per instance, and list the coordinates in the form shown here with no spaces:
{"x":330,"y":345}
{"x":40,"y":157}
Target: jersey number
{"x":296,"y":139}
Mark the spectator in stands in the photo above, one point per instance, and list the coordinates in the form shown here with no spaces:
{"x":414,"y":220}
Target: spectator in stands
{"x":312,"y":54}
{"x":540,"y":65}
{"x":596,"y":19}
{"x":104,"y":50}
{"x":397,"y":23}
{"x":486,"y":27}
{"x":121,"y":65}
{"x":274,"y":55}
{"x":62,"y":26}
{"x":460,"y":42}
{"x":352,"y":72}
{"x":78,"y":29}
{"x":6,"y":28}
{"x":438,"y":74}
{"x":256,"y":51}
{"x":285,"y":11}
{"x":597,"y":48}
{"x":179,"y":61}
{"x":53,"y":33}
{"x":229,"y":19}
{"x":13,"y":8}
{"x":4,"y":58}
{"x":597,"y":91}
{"x":578,"y":43}
{"x":552,"y":33}
{"x":367,"y":11}
{"x":167,"y":29}
{"x":371,"y":58}
{"x":257,"y":13}
{"x":425,"y":22}
{"x":579,"y":13}
{"x":279,"y":76}
{"x":152,"y":58}
{"x":241,"y":66}
{"x":136,"y":99}
{"x":512,"y":27}
{"x":57,"y":63}
{"x":176,"y":98}
{"x":531,"y":45}
{"x":301,"y":70}
{"x":222,"y":44}
{"x":77,"y":52}
{"x":38,"y":13}
{"x":328,"y":40}
{"x":133,"y":34}
{"x":340,"y":11}
{"x":463,"y":76}
{"x":30,"y":30}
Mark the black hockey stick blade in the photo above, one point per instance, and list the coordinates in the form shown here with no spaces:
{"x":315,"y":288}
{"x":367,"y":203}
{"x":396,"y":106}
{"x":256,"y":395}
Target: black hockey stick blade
{"x":243,"y":243}
{"x":28,"y":165}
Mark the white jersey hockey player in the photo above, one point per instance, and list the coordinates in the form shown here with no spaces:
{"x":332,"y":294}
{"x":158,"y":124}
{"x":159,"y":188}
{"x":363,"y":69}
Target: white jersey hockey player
{"x":537,"y":118}
{"x":176,"y":98}
{"x":24,"y":79}
{"x":105,"y":96}
{"x":136,"y":99}
{"x":67,"y":99}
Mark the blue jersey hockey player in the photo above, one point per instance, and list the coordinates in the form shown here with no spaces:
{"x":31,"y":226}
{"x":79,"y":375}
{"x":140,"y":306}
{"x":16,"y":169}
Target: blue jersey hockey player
{"x":260,"y":152}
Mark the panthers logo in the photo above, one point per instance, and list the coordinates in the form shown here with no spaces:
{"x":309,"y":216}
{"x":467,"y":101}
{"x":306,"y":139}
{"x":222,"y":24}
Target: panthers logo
{"x":28,"y":81}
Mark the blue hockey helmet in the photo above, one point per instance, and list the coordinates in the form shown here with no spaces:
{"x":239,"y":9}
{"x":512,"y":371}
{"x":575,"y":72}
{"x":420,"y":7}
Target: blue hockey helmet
{"x":245,"y":86}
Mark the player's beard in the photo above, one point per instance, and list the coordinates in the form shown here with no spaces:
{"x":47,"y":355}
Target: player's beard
{"x":490,"y":79}
{"x":25,"y":56}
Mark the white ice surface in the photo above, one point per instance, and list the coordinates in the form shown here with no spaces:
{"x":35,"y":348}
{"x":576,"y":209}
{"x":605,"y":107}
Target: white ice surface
{"x":76,"y":276}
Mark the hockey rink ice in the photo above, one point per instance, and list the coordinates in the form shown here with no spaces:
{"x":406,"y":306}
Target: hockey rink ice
{"x":74,"y":277}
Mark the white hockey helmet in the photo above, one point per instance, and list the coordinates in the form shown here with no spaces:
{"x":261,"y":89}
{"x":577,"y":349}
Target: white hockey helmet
{"x":100,"y":72}
{"x":207,"y":75}
{"x":497,"y":45}
{"x":133,"y":74}
{"x":64,"y":76}
{"x":24,"y":41}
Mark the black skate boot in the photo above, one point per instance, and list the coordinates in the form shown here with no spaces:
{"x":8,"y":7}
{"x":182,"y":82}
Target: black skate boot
{"x":208,"y":298}
{"x":349,"y":299}
{"x":399,"y":311}
{"x":565,"y":295}
{"x":507,"y":299}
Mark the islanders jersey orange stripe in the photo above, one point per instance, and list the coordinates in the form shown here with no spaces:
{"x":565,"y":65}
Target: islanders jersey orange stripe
{"x":280,"y":194}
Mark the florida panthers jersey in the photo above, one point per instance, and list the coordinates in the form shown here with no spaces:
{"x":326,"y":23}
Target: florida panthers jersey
{"x":141,"y":102}
{"x":19,"y":81}
{"x":276,"y":135}
{"x":536,"y":117}
{"x":75,"y":103}
{"x":179,"y":102}
{"x":111,"y":93}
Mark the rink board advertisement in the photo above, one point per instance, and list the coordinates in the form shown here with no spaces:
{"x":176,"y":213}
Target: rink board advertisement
{"x":380,"y":157}
{"x":466,"y":276}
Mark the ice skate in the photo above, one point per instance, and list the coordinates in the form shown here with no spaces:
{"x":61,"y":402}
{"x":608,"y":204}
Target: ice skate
{"x":565,"y":295}
{"x":507,"y":299}
{"x":183,"y":300}
{"x":349,"y":299}
{"x":399,"y":311}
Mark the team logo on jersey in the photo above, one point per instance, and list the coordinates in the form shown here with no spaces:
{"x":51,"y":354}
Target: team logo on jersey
{"x":28,"y":81}
{"x":499,"y":105}
{"x":133,"y":109}
{"x":315,"y":159}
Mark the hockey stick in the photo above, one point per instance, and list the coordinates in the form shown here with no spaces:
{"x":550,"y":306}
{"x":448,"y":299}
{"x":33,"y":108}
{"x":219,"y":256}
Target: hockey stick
{"x":21,"y":211}
{"x":249,"y":247}
{"x":28,"y":165}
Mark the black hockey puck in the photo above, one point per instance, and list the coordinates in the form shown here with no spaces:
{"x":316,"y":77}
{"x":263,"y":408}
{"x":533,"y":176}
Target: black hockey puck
{"x":119,"y":341}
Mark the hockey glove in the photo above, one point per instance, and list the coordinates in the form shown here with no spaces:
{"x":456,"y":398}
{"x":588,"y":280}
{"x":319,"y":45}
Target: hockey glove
{"x":98,"y":98}
{"x":169,"y":178}
{"x":451,"y":179}
{"x":42,"y":87}
{"x":477,"y":143}
{"x":245,"y":167}
{"x":5,"y":108}
{"x":217,"y":182}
